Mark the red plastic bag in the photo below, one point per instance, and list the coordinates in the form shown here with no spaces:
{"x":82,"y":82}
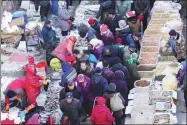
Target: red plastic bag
{"x":70,"y":23}
{"x":140,"y":17}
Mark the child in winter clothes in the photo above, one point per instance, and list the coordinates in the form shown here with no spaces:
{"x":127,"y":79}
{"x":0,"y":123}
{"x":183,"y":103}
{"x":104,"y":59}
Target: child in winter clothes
{"x":101,"y":115}
{"x":56,"y":117}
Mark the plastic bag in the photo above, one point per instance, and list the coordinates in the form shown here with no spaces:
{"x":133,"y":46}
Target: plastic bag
{"x":169,"y":82}
{"x":42,"y":97}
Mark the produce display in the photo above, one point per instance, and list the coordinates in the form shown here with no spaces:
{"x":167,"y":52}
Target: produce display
{"x":148,"y":55}
{"x":150,"y":49}
{"x":148,"y":61}
{"x":142,"y":83}
{"x":159,"y":77}
{"x":146,"y":68}
{"x":161,"y":119}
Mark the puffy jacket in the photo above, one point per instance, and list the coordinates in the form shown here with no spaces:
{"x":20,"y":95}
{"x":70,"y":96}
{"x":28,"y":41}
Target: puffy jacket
{"x":99,"y":85}
{"x":141,"y":6}
{"x":63,"y":17}
{"x":129,"y":40}
{"x":124,"y":69}
{"x":52,"y":118}
{"x":49,"y":35}
{"x":123,"y":33}
{"x":17,"y":86}
{"x":115,"y":51}
{"x":98,"y":47}
{"x":32,"y":86}
{"x":121,"y":85}
{"x":101,"y":115}
{"x":65,"y":47}
{"x":112,"y":60}
{"x":67,"y":69}
{"x":96,"y":27}
{"x":105,"y":38}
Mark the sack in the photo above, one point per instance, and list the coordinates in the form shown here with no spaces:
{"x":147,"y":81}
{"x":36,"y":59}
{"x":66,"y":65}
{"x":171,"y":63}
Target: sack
{"x":18,"y":21}
{"x":116,"y":103}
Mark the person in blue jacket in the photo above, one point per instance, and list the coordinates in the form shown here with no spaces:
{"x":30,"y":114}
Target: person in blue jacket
{"x":69,"y":73}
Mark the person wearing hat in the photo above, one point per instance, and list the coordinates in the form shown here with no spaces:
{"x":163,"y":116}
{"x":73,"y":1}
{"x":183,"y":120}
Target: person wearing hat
{"x":50,"y":41}
{"x":14,"y":93}
{"x":71,"y":107}
{"x":63,"y":18}
{"x":95,"y":24}
{"x":132,"y":21}
{"x":108,"y":95}
{"x":101,"y":114}
{"x":106,"y":34}
{"x":142,"y":10}
{"x":70,"y":87}
{"x":177,"y":44}
{"x":99,"y":84}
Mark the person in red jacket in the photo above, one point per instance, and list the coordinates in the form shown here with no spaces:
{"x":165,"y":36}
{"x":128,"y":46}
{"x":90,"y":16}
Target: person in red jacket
{"x":14,"y":94}
{"x":101,"y":115}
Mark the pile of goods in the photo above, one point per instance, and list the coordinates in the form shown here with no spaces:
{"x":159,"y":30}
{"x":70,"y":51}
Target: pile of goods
{"x":142,"y":83}
{"x":164,"y":17}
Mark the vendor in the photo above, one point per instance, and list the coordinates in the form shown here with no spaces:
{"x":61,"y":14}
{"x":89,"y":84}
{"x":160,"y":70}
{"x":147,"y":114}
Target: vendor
{"x":15,"y":94}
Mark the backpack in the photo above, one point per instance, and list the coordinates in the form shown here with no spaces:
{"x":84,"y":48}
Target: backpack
{"x":116,"y":103}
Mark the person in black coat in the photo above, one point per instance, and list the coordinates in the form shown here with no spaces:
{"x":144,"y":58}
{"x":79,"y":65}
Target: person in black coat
{"x":71,"y":107}
{"x":78,"y":56}
{"x":142,"y":7}
{"x":95,"y":24}
{"x":85,"y":69}
{"x":70,"y":87}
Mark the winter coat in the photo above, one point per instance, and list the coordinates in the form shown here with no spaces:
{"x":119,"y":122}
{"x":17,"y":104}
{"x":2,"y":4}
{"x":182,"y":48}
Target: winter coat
{"x":92,"y":59}
{"x":141,"y":6}
{"x":76,"y":92}
{"x":67,"y":69}
{"x":72,"y":110}
{"x":134,"y":25}
{"x":96,"y":27}
{"x":65,"y":47}
{"x":105,"y":38}
{"x":17,"y":86}
{"x":109,"y":95}
{"x":123,"y":33}
{"x":123,"y":6}
{"x":101,"y":115}
{"x":63,"y":17}
{"x":107,"y":73}
{"x":112,"y":60}
{"x":115,"y":51}
{"x":119,"y":66}
{"x":52,"y":118}
{"x":98,"y":86}
{"x":98,"y":47}
{"x":88,"y":72}
{"x":49,"y":35}
{"x":180,"y":47}
{"x":181,"y":73}
{"x":113,"y":23}
{"x":129,"y":40}
{"x":121,"y":85}
{"x":85,"y":90}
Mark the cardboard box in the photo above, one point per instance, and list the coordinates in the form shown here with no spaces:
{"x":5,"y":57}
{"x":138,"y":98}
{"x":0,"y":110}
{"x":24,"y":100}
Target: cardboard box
{"x":18,"y":21}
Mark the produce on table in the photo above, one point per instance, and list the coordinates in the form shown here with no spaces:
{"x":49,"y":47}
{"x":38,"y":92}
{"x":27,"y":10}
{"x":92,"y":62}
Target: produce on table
{"x":150,"y":49}
{"x":169,"y":82}
{"x":142,"y":83}
{"x":146,"y":68}
{"x":150,"y":43}
{"x":148,"y":61}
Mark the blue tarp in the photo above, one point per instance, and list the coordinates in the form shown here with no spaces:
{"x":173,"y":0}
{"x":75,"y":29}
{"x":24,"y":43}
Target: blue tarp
{"x":55,"y":7}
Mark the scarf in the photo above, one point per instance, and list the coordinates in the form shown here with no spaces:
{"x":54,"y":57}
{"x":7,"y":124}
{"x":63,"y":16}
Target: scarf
{"x":57,"y":120}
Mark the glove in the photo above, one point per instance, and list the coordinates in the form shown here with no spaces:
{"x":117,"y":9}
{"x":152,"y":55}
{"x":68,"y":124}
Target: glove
{"x":22,"y":115}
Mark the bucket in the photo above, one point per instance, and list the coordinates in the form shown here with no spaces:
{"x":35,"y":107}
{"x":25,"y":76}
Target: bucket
{"x":41,"y":68}
{"x":31,"y":60}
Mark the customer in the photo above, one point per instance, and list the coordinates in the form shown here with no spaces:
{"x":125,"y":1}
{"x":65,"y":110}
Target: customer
{"x":70,"y":87}
{"x":71,"y":108}
{"x":63,"y":18}
{"x":177,"y":44}
{"x":142,"y":8}
{"x":111,"y":93}
{"x":95,"y":24}
{"x":86,"y":69}
{"x":123,"y":6}
{"x":50,"y":41}
{"x":77,"y":55}
{"x":56,"y":117}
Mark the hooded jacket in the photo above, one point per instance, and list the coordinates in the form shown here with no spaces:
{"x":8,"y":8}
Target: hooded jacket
{"x":101,"y":115}
{"x":129,"y":40}
{"x":67,"y":69}
{"x":121,"y":85}
{"x":65,"y":47}
{"x":53,"y":120}
{"x":49,"y":35}
{"x":105,"y":38}
{"x":115,"y":51}
{"x":112,"y":60}
{"x":96,"y":27}
{"x":98,"y":47}
{"x":99,"y":85}
{"x":119,"y":66}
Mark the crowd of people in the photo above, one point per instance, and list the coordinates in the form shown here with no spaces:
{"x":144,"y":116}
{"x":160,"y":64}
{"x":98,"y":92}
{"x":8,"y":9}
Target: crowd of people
{"x":95,"y":81}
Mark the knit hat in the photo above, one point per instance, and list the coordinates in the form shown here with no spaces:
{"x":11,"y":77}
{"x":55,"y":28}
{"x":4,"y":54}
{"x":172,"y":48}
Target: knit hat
{"x":101,"y":100}
{"x":103,"y":28}
{"x":98,"y":70}
{"x":130,"y":14}
{"x":112,"y":87}
{"x":80,"y":78}
{"x":122,"y":24}
{"x":119,"y":40}
{"x":10,"y":94}
{"x":69,"y":95}
{"x":172,"y":32}
{"x":91,"y":21}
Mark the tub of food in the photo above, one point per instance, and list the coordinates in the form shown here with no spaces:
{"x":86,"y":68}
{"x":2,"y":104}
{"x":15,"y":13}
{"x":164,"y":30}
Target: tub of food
{"x":154,"y":26}
{"x":163,"y":21}
{"x":151,"y":43}
{"x":148,"y":55}
{"x":151,"y":32}
{"x":146,"y":67}
{"x":147,"y":61}
{"x":162,"y":118}
{"x":156,"y":15}
{"x":154,"y":49}
{"x":142,"y":83}
{"x":151,"y":38}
